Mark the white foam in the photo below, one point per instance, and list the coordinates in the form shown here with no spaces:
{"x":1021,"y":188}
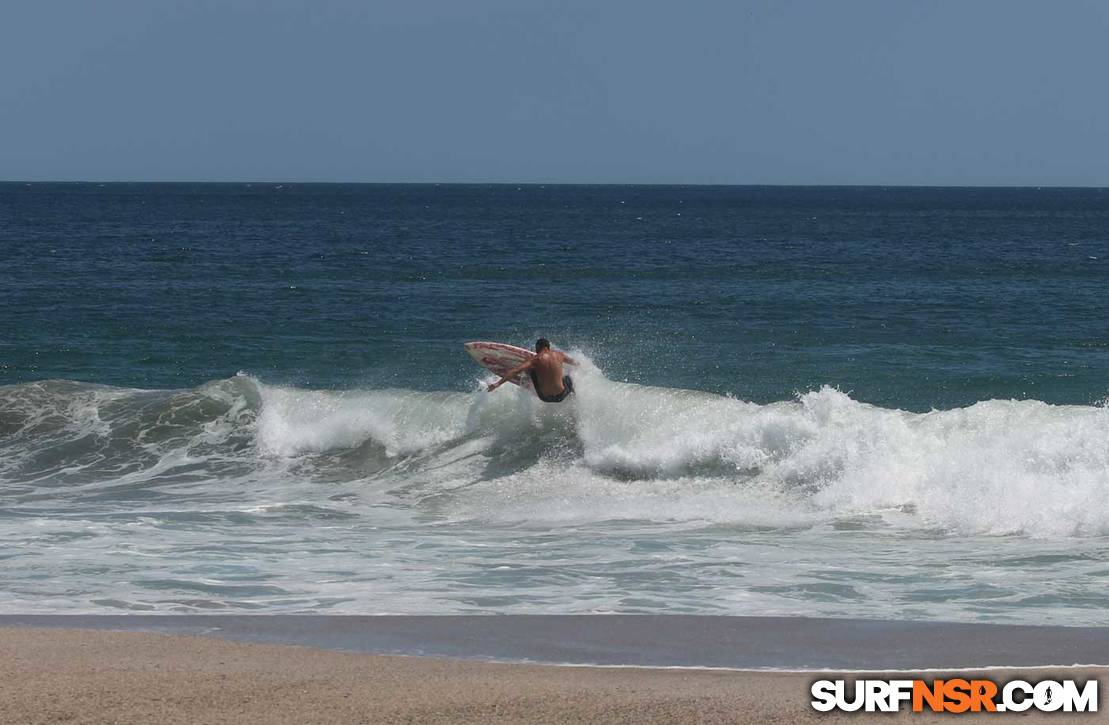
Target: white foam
{"x":997,"y":467}
{"x":293,"y":421}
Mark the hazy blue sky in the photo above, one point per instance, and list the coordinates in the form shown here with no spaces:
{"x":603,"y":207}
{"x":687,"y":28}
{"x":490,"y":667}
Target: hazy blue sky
{"x":885,"y":91}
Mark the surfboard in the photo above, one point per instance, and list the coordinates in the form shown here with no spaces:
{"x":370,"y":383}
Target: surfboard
{"x":499,"y":358}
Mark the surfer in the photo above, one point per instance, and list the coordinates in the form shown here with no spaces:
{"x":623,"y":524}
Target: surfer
{"x":545,"y":370}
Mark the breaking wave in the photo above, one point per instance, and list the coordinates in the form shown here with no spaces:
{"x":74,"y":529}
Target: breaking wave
{"x":616,"y":452}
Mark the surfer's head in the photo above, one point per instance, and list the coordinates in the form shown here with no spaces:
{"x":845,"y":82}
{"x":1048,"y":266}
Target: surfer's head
{"x":542,"y":344}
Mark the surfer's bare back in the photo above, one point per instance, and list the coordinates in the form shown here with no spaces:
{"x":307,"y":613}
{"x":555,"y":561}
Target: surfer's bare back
{"x":545,"y":369}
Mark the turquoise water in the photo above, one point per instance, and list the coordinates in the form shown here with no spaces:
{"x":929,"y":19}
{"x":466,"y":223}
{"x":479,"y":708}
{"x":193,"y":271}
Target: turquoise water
{"x":825,"y":401}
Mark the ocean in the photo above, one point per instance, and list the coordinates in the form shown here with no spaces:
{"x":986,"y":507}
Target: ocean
{"x":882,"y":403}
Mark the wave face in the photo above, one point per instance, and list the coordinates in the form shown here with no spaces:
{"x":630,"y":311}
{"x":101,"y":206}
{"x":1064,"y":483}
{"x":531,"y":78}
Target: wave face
{"x":243,"y":495}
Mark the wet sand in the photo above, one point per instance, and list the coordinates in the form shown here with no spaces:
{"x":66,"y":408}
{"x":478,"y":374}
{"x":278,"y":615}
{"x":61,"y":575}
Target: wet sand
{"x":783,"y":643}
{"x":100,"y":676}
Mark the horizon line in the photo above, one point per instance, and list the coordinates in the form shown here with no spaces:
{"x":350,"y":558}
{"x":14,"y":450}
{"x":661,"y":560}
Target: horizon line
{"x":29,"y":182}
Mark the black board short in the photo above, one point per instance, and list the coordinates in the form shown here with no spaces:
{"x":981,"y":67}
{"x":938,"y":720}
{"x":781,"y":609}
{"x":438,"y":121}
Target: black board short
{"x":567,"y":389}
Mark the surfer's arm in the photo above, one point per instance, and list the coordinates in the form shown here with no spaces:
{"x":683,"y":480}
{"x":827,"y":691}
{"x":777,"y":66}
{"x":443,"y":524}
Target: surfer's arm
{"x":511,"y":374}
{"x":569,"y":360}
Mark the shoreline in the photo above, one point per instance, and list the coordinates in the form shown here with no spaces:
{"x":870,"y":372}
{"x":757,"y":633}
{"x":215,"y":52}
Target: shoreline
{"x":678,"y":642}
{"x":98,"y":675}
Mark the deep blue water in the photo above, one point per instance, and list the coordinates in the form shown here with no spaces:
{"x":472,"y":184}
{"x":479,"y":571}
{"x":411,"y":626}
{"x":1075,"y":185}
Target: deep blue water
{"x":904,"y":297}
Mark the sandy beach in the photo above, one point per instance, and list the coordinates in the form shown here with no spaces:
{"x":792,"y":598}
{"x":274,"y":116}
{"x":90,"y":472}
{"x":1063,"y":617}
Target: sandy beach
{"x":89,"y":676}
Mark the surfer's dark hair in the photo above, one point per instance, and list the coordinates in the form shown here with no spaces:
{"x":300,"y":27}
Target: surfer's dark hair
{"x":542,"y":344}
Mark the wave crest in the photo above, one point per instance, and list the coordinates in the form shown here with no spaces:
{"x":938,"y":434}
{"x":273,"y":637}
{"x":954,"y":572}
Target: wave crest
{"x":618,"y":451}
